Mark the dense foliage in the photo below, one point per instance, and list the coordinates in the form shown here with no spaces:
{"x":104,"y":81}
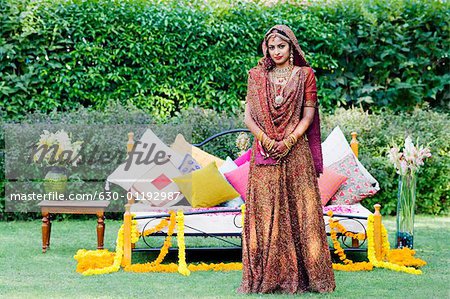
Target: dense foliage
{"x":163,"y":56}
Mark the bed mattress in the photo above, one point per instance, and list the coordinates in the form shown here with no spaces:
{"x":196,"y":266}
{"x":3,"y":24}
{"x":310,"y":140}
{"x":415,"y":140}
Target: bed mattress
{"x":216,"y":221}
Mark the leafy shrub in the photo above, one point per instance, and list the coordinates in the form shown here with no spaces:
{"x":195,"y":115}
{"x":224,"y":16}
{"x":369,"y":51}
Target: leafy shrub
{"x":164,"y":56}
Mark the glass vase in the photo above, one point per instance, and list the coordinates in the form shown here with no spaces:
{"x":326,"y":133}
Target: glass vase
{"x":55,"y":180}
{"x":405,"y":210}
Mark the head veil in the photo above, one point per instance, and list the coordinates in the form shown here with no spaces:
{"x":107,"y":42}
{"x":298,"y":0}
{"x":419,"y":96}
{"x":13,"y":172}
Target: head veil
{"x":299,"y":56}
{"x":278,"y":123}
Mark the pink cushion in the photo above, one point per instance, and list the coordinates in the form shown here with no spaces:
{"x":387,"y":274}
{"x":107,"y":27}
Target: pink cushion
{"x":329,"y":183}
{"x":244,"y":157}
{"x":238,"y":178}
{"x":356,"y":187}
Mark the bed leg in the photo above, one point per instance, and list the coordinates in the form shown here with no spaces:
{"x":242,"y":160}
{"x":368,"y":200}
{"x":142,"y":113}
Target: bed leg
{"x":127,"y":236}
{"x":377,"y":231}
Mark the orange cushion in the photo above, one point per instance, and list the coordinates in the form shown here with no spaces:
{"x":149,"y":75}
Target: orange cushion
{"x":329,"y":183}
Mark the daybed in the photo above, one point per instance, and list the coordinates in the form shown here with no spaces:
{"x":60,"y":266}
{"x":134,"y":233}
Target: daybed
{"x":224,"y":223}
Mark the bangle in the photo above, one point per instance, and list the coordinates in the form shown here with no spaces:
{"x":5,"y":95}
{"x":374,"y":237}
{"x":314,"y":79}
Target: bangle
{"x":287,"y":144}
{"x":290,"y":141}
{"x":260,"y":135}
{"x":293,"y":138}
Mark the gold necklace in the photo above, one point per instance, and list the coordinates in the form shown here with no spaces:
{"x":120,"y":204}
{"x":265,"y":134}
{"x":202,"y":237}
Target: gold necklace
{"x":279,"y":98}
{"x":282,"y":72}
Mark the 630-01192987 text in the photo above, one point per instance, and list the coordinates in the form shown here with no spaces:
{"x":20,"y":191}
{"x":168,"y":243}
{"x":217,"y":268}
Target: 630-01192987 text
{"x":102,"y":195}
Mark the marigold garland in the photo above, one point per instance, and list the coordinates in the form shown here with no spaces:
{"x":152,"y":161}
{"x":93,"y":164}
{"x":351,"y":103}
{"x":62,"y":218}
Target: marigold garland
{"x":93,"y":259}
{"x":151,"y":266}
{"x":384,"y":264}
{"x":95,"y":262}
{"x":92,"y":262}
{"x":182,"y":267}
{"x":157,"y":228}
{"x":349,"y":265}
{"x":397,"y":259}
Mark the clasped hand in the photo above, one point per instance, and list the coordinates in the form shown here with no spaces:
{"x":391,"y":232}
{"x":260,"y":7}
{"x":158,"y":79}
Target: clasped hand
{"x":277,"y":149}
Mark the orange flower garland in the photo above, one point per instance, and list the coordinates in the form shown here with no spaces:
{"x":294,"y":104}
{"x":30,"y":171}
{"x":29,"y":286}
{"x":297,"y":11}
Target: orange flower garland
{"x":397,"y":259}
{"x":384,"y":263}
{"x":155,"y":229}
{"x":90,"y":259}
{"x":149,"y":267}
{"x":349,"y":265}
{"x":182,"y":267}
{"x":92,"y":262}
{"x":404,"y":257}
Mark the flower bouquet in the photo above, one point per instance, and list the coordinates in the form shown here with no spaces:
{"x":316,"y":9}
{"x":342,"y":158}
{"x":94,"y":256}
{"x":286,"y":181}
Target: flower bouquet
{"x":407,"y":164}
{"x":56,"y":151}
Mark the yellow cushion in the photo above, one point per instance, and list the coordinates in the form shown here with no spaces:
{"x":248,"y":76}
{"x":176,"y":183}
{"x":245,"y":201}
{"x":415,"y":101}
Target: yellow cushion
{"x":205,"y":187}
{"x":203,"y":158}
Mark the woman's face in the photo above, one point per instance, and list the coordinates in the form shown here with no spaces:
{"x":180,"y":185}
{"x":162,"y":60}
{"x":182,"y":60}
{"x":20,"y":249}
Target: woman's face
{"x":279,"y":51}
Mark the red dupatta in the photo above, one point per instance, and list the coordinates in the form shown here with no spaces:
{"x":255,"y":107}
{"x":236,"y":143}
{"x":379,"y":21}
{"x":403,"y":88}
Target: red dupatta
{"x":278,"y":121}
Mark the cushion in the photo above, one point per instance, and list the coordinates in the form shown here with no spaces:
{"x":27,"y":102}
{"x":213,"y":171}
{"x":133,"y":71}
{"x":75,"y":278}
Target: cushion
{"x":156,"y":187}
{"x":356,"y":187}
{"x":205,"y":187}
{"x":227,"y":166}
{"x":203,"y":158}
{"x":335,"y":147}
{"x":234,"y":203}
{"x":188,"y":165}
{"x":127,"y":173}
{"x":329,"y":183}
{"x":238,"y":178}
{"x":244,"y":157}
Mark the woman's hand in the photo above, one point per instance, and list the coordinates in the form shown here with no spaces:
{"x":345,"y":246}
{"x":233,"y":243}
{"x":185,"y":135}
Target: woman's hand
{"x":278,"y":150}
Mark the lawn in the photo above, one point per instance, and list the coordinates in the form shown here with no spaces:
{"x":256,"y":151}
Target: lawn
{"x":27,"y":273}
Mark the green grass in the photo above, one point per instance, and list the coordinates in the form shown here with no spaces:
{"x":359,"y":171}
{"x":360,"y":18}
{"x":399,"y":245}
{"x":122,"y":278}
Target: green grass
{"x":27,"y":273}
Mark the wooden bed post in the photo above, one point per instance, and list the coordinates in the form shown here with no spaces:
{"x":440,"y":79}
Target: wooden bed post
{"x":130,"y":145}
{"x":377,"y":236}
{"x":127,"y":236}
{"x":354,"y":144}
{"x":130,"y":142}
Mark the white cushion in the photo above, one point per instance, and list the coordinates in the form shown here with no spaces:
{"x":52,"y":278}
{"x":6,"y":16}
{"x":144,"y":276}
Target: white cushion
{"x":336,"y":147}
{"x":227,"y":166}
{"x":156,"y":187}
{"x":127,"y":177}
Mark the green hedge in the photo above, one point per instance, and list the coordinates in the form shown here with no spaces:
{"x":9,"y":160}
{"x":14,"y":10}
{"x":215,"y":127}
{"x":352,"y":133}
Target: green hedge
{"x":162,"y":56}
{"x":375,"y":133}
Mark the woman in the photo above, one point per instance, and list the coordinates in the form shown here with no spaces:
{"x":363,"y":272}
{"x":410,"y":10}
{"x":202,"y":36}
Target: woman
{"x":284,"y":239}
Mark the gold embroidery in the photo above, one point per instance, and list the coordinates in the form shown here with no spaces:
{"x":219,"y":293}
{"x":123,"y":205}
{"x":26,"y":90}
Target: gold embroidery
{"x":311,"y":100}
